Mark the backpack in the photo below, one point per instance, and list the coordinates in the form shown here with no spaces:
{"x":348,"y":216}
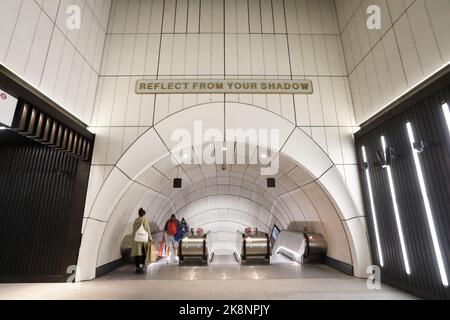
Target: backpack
{"x":171,"y":228}
{"x":179,"y":234}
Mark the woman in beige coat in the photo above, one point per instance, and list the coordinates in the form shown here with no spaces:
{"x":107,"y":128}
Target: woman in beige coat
{"x":139,"y":250}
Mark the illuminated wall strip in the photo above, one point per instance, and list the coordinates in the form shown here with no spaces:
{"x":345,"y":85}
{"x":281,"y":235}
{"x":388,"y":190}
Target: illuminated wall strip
{"x":447,"y":115}
{"x":396,"y":211}
{"x":372,"y":207}
{"x":426,"y":202}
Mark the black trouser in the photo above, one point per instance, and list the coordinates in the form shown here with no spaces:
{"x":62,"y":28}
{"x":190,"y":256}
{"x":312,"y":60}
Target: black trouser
{"x":140,"y":260}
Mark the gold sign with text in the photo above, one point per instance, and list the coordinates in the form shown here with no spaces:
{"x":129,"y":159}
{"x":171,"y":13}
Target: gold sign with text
{"x":224,"y":86}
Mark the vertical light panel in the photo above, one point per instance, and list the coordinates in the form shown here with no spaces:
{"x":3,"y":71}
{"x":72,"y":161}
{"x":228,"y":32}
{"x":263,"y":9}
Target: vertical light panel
{"x":396,"y":210}
{"x":447,"y":115}
{"x":426,"y":202}
{"x":372,"y":208}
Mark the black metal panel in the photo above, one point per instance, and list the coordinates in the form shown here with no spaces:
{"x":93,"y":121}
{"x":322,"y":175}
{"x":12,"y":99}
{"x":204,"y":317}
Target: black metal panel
{"x":42,"y":196}
{"x":428,"y":121}
{"x":20,"y":89}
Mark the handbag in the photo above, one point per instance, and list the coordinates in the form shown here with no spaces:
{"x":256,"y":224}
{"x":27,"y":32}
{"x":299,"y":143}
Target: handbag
{"x":141,"y":234}
{"x":151,"y":254}
{"x":161,"y":245}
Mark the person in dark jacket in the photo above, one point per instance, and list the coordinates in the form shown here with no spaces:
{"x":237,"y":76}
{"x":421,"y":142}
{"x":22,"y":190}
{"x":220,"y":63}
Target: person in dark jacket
{"x":184,"y":226}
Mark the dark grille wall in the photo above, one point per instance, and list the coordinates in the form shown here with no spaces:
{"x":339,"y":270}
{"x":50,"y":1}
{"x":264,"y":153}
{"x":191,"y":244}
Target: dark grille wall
{"x":42,"y":196}
{"x":429,"y":125}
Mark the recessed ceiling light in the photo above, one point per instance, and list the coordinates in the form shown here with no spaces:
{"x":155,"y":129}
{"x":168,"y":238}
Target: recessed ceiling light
{"x":224,"y":149}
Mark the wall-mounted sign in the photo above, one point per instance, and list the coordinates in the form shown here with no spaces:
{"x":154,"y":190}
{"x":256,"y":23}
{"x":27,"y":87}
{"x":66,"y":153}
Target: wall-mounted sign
{"x":224,"y":86}
{"x":8,"y":106}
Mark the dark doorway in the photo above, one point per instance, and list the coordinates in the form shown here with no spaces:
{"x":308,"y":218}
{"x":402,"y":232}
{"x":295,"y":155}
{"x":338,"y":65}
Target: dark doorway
{"x":42,"y":196}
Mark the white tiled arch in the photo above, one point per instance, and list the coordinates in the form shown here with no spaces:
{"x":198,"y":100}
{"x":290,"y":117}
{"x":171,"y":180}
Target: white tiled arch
{"x":120,"y":194}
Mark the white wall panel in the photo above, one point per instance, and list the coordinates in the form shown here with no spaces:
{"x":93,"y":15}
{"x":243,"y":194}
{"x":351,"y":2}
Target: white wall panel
{"x":315,"y":104}
{"x":438,"y":14}
{"x":334,"y":144}
{"x":424,"y":38}
{"x":38,"y":51}
{"x":319,"y":136}
{"x":204,"y":54}
{"x":309,"y":60}
{"x":22,"y":38}
{"x":101,"y":147}
{"x":267,"y":16}
{"x":40,"y":48}
{"x":193,"y":20}
{"x":51,"y":7}
{"x":402,"y":54}
{"x":279,"y":21}
{"x":348,"y":144}
{"x":302,"y":110}
{"x":243,"y":57}
{"x":217,"y":55}
{"x":255,"y":16}
{"x":181,"y":16}
{"x":256,"y":47}
{"x":230,"y":16}
{"x":74,"y":82}
{"x":86,"y":92}
{"x":343,"y":101}
{"x":8,"y":17}
{"x":64,"y":72}
{"x":86,"y":24}
{"x":242,"y":13}
{"x":335,"y":55}
{"x":118,"y":16}
{"x":115,"y":142}
{"x":296,"y":57}
{"x":328,"y":102}
{"x":169,"y":16}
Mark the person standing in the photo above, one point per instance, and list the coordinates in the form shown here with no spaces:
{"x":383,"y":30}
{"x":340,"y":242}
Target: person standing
{"x":184,"y":226}
{"x":139,"y":249}
{"x":170,"y":229}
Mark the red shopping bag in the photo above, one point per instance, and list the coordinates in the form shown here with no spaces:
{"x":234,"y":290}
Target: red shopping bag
{"x":161,"y":246}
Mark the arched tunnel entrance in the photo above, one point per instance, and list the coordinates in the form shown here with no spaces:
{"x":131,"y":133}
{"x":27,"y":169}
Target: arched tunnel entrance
{"x":224,"y":198}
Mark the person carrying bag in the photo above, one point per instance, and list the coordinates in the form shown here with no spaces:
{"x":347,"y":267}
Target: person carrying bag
{"x":142,"y":240}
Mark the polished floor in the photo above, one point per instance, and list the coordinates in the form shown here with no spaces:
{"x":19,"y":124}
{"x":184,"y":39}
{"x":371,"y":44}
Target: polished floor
{"x":222,"y":279}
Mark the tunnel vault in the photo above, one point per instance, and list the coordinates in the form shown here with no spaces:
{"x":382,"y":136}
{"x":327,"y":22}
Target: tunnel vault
{"x":310,"y":190}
